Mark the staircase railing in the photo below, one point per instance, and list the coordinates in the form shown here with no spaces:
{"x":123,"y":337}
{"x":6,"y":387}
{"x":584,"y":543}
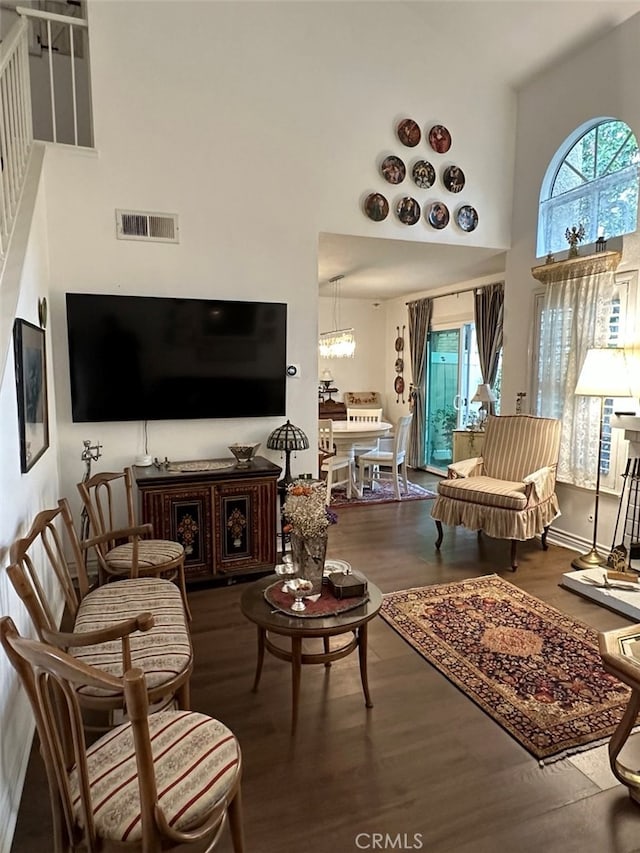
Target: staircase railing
{"x":57,"y":39}
{"x":61,"y":113}
{"x":16,"y":128}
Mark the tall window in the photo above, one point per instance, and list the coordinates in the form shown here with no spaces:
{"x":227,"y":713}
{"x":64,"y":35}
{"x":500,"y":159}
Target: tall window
{"x":593,"y":182}
{"x":620,"y":329}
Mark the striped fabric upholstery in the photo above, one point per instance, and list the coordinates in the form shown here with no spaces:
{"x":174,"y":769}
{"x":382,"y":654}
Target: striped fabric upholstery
{"x":196,"y":760}
{"x":517,"y":445}
{"x":486,"y":491}
{"x":510,"y":491}
{"x":162,"y":652}
{"x":151,"y":552}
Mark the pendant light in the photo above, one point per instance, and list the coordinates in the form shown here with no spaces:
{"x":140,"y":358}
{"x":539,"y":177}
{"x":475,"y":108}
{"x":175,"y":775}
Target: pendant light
{"x":340,"y":343}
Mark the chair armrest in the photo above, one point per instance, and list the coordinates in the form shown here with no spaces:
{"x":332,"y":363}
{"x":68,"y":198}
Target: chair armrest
{"x":541,"y":484}
{"x":121,"y":630}
{"x":465,"y":468}
{"x":141,"y":530}
{"x":141,"y":622}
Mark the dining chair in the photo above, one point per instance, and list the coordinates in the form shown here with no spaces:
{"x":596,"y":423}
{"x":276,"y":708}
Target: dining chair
{"x":380,"y":464}
{"x":137,"y":622}
{"x":337,"y":469}
{"x":361,"y":415}
{"x":365,"y":416}
{"x":154,"y":783}
{"x":129,"y":550}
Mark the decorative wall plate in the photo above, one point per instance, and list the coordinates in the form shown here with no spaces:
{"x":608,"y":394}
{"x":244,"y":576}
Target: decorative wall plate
{"x":399,"y":365}
{"x":408,"y":132}
{"x":398,"y":385}
{"x":408,"y":210}
{"x":440,"y":138}
{"x":437,"y":215}
{"x":376,"y":207}
{"x":393,"y":169}
{"x":423,"y":174}
{"x":453,"y":179}
{"x":467,"y":218}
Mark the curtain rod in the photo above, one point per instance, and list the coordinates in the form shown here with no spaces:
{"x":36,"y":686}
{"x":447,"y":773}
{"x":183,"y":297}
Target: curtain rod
{"x":457,"y":292}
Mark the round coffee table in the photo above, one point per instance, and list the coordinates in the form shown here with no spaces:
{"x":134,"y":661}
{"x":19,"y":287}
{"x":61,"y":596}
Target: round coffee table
{"x":298,"y":628}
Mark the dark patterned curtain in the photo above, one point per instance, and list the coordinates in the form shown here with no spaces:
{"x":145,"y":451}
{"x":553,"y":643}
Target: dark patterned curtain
{"x":489,"y":314}
{"x":419,"y":322}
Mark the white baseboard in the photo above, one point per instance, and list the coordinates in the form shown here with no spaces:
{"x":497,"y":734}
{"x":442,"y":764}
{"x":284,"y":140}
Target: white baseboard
{"x":568,"y":540}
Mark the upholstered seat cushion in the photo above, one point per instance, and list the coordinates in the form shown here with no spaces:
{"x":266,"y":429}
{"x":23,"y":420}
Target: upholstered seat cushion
{"x":151,"y":554}
{"x":487,"y":491}
{"x":162,"y":653}
{"x":196,"y":760}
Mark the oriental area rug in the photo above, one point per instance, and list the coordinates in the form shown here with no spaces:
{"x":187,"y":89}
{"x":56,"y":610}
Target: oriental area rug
{"x":382,"y":493}
{"x":534,"y":670}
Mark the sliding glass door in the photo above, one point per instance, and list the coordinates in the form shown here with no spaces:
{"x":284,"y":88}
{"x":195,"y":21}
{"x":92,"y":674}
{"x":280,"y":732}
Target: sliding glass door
{"x":453,"y":374}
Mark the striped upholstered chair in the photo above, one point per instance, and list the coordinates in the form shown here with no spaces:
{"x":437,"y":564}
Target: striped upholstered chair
{"x":124,"y":548}
{"x":157,"y":782}
{"x":139,"y":622}
{"x":509,"y":491}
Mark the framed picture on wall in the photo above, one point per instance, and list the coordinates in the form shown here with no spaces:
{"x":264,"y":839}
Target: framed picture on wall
{"x":31,"y":385}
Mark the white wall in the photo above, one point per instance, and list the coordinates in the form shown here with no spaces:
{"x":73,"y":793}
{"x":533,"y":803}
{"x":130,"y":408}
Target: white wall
{"x":21,"y":497}
{"x":263,"y":130}
{"x":261,"y":125}
{"x":366,"y":371}
{"x":600,"y":81}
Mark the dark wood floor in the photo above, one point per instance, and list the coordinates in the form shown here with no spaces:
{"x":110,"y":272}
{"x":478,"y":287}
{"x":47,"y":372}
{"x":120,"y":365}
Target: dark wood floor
{"x":424,"y":760}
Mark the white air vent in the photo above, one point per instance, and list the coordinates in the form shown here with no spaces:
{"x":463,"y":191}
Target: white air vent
{"x":143,"y":225}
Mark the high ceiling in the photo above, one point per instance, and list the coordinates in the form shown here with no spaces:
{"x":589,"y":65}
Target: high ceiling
{"x":384,"y":269}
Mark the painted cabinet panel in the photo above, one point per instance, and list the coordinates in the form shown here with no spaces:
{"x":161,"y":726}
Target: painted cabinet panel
{"x":226,"y":519}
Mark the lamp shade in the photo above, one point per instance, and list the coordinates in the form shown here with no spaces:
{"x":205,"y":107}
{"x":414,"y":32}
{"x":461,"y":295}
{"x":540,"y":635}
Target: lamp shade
{"x":604,"y":374}
{"x":287,"y":437}
{"x":484,"y":394}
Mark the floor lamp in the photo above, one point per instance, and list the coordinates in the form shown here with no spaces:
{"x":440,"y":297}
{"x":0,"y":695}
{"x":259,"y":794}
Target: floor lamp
{"x":604,"y":374}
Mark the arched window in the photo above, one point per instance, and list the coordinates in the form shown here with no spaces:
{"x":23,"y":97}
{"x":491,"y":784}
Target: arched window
{"x":592,"y":181}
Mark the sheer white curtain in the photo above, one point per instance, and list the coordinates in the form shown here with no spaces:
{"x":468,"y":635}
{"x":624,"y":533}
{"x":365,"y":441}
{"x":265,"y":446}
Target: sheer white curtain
{"x":575,"y":316}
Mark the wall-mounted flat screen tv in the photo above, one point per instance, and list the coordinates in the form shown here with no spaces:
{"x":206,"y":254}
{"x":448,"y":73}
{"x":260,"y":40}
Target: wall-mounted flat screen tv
{"x":156,"y":358}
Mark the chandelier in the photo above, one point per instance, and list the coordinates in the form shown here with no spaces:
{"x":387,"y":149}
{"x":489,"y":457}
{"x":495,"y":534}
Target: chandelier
{"x":340,"y":343}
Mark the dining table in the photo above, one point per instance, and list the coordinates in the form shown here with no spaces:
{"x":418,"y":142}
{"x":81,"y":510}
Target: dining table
{"x":348,"y":435}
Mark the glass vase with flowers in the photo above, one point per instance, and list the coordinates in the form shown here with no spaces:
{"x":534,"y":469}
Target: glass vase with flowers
{"x":307,"y":521}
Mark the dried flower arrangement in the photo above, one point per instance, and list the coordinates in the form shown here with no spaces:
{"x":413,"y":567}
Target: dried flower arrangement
{"x":305,"y":509}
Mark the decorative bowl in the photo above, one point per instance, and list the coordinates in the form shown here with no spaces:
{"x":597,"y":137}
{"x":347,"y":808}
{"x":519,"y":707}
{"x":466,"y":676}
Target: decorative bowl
{"x":244,"y":453}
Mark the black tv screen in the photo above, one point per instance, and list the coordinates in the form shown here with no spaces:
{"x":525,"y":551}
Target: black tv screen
{"x":154,"y":358}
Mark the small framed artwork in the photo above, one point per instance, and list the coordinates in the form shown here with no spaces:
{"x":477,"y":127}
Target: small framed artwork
{"x":393,"y":169}
{"x":453,"y":179}
{"x":440,"y":138}
{"x":31,"y":385}
{"x":408,"y":210}
{"x":376,"y":207}
{"x":408,"y":132}
{"x":437,"y":215}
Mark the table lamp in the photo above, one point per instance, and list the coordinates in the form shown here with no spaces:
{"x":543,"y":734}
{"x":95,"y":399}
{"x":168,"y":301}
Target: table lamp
{"x":604,"y":374}
{"x":483,"y":395}
{"x":287,"y":438}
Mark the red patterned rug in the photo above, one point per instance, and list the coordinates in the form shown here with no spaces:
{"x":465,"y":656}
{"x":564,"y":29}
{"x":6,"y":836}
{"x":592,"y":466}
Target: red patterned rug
{"x":382,"y":493}
{"x":534,"y":670}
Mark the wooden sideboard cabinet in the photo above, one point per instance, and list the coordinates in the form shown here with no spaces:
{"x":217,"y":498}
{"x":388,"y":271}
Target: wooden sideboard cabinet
{"x":467,"y":443}
{"x":225,"y":517}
